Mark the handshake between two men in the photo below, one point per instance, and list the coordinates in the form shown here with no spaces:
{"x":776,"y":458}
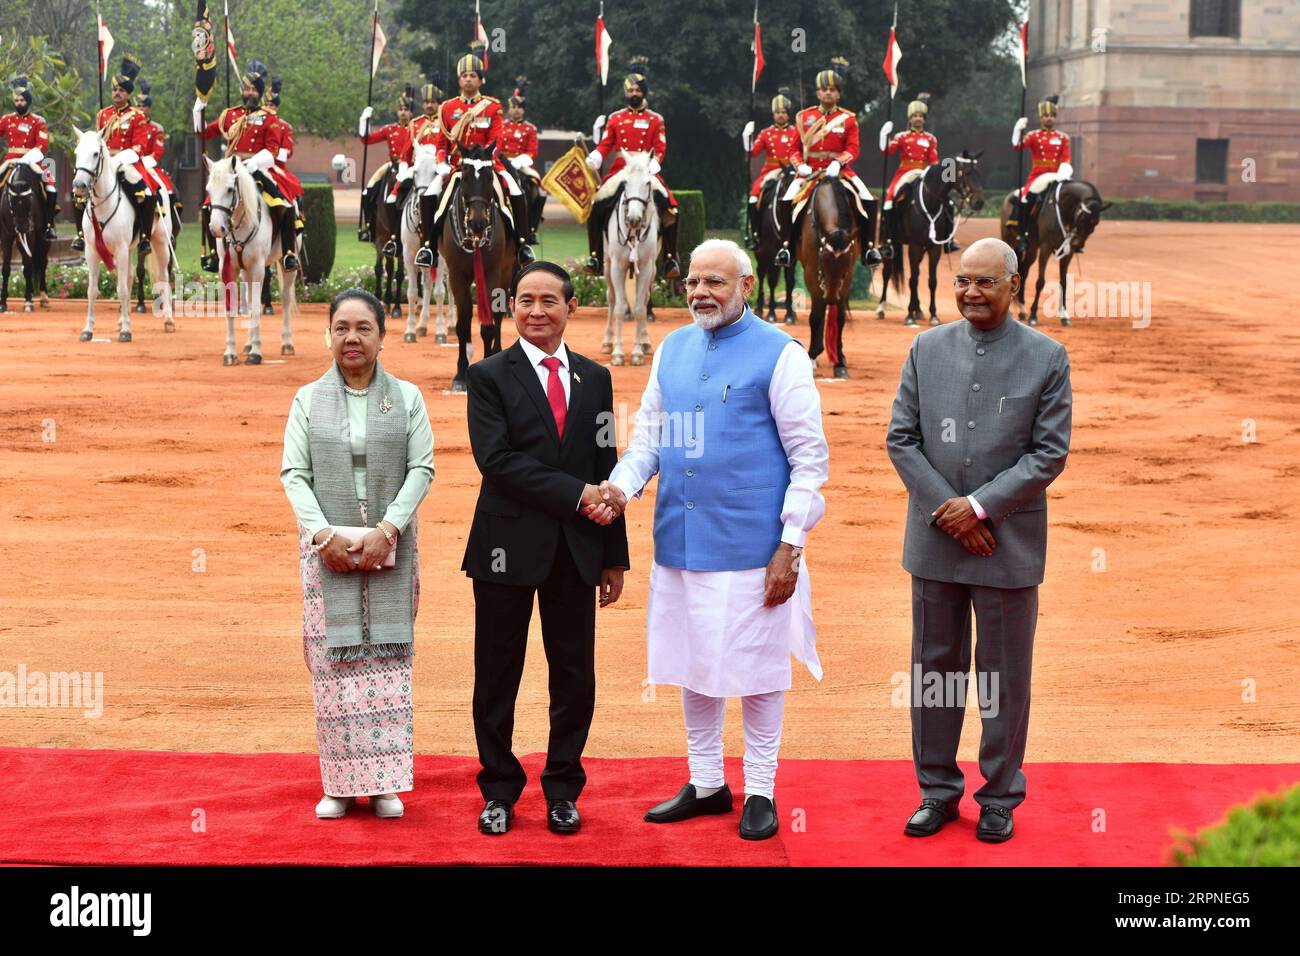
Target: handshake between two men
{"x":603,"y":503}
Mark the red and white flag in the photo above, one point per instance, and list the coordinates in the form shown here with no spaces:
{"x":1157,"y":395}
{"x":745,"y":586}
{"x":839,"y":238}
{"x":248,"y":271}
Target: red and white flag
{"x":381,"y":41}
{"x":1022,"y":51}
{"x":758,"y":52}
{"x":603,"y":41}
{"x":230,"y":42}
{"x":480,"y":34}
{"x":105,"y":46}
{"x":893,"y":53}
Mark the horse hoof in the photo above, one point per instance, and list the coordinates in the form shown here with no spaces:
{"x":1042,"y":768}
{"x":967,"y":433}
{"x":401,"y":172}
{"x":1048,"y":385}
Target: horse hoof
{"x":638,"y":360}
{"x":790,"y":319}
{"x":254,"y":358}
{"x":934,"y":320}
{"x":1065,"y":320}
{"x":45,"y":302}
{"x":169,"y":326}
{"x":422,"y":331}
{"x":440,"y":338}
{"x":771,"y":318}
{"x":408,"y":337}
{"x":230,"y":358}
{"x":286,"y":350}
{"x":1033,"y":320}
{"x":85,"y":336}
{"x":841,"y":372}
{"x":4,"y":308}
{"x":606,"y":348}
{"x":247,"y":348}
{"x":267,"y":310}
{"x":616,"y":360}
{"x":457,"y":385}
{"x":909,"y":321}
{"x":124,"y":336}
{"x":650,"y":317}
{"x":28,"y":307}
{"x":880,"y":313}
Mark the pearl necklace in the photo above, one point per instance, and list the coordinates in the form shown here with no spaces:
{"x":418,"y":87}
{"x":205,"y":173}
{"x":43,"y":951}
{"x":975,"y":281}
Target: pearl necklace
{"x":359,"y":392}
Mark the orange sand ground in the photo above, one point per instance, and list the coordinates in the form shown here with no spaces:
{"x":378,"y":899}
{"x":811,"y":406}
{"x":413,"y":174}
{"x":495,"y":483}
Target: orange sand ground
{"x":160,"y":450}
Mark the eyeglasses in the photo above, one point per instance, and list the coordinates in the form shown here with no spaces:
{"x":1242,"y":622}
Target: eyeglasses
{"x":712,"y":282}
{"x":983,"y":283}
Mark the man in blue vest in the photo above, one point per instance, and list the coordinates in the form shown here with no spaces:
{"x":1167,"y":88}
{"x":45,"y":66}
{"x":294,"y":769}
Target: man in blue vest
{"x":731,"y":422}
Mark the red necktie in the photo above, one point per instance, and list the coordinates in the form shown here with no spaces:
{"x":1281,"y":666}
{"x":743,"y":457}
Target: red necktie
{"x":555,"y":393}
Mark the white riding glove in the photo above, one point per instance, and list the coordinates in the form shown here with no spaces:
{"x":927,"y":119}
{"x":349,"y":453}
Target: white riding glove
{"x":833,"y":169}
{"x":804,"y":170}
{"x":747,"y":136}
{"x":654,"y":166}
{"x":522,"y":160}
{"x":597,"y":129}
{"x":32,"y":157}
{"x":127,"y":157}
{"x":1018,"y":130}
{"x":1066,"y":171}
{"x":260,"y":161}
{"x":198,"y":115}
{"x":594,"y":159}
{"x":403,"y":171}
{"x":366,"y":113}
{"x":884,"y":134}
{"x":150,"y":162}
{"x":435,"y":187}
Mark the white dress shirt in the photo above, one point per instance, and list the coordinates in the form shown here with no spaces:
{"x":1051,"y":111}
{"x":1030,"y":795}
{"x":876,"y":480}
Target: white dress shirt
{"x":535,"y":356}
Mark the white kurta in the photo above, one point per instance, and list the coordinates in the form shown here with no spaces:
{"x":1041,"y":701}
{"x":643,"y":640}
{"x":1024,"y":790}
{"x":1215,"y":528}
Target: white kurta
{"x":708,"y":631}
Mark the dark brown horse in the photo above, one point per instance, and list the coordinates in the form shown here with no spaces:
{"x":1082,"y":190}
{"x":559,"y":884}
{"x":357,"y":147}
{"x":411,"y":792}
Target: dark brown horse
{"x":479,"y":249}
{"x":769,"y":242}
{"x":828,"y":250}
{"x":22,"y":220}
{"x":1067,"y":214}
{"x":390,"y":267}
{"x":926,"y":222}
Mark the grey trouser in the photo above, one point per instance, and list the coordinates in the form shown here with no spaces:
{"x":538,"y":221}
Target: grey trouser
{"x":1005,"y":619}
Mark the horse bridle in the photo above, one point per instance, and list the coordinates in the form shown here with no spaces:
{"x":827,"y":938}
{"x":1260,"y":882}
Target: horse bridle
{"x":230,"y":214}
{"x":94,"y":175}
{"x":964,"y":192}
{"x":1068,"y":234}
{"x":630,"y":238}
{"x":460,"y":222}
{"x":21,"y":226}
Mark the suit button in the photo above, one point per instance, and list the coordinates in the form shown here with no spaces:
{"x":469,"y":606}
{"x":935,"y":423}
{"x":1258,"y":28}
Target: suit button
{"x":690,"y":441}
{"x":970,"y":424}
{"x":690,"y":472}
{"x":979,"y":351}
{"x":975,"y":387}
{"x":967,"y":462}
{"x":699,"y":407}
{"x":690,"y":505}
{"x":712,"y":346}
{"x":704,"y":376}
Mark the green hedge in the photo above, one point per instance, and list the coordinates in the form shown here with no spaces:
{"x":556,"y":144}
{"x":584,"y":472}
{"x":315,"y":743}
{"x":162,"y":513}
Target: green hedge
{"x":1265,"y":833}
{"x":690,"y":224}
{"x":1145,"y":209}
{"x":317,"y":206}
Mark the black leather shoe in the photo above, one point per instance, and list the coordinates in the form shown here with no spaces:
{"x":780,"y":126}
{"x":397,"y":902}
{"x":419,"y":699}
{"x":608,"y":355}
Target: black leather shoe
{"x":526,"y":255}
{"x":686,"y":805}
{"x":496,"y":817}
{"x":782,"y":258}
{"x":593,"y":266}
{"x":871,"y":256}
{"x":50,"y":234}
{"x":145,"y":247}
{"x":930,"y":817}
{"x":562,"y":816}
{"x":424,"y":257}
{"x":78,"y":243}
{"x":209,"y":262}
{"x":995,"y":824}
{"x":759,"y":821}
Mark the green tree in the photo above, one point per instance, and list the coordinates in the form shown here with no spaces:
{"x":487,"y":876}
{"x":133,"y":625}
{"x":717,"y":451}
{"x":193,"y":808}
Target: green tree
{"x":56,"y":89}
{"x":700,"y":65}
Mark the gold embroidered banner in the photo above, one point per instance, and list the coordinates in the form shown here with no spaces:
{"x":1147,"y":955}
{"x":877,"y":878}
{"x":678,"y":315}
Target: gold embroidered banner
{"x":571,"y":181}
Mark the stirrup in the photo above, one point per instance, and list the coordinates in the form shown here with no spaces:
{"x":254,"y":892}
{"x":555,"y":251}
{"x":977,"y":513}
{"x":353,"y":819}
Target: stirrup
{"x":592,"y":266}
{"x":870,"y":256}
{"x":209,"y":262}
{"x":390,"y":247}
{"x":144,"y":245}
{"x":782,"y":257}
{"x":751,"y":242}
{"x":887,"y":251}
{"x":50,"y":233}
{"x":290,"y":262}
{"x":79,"y":243}
{"x":526,"y":255}
{"x":671,"y":269}
{"x":424,"y":257}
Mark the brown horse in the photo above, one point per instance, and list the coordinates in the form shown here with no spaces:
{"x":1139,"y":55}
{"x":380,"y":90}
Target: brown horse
{"x":828,"y":250}
{"x":926,"y":222}
{"x":478,"y":248}
{"x":769,"y":241}
{"x":390,"y":268}
{"x":1067,"y":214}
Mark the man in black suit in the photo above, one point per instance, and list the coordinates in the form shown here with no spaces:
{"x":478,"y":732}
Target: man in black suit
{"x":541,"y":425}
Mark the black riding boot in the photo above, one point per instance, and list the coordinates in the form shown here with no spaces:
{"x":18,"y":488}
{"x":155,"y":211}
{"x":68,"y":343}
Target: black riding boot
{"x":782,"y":259}
{"x":208,"y":262}
{"x":669,"y":235}
{"x":751,"y":241}
{"x":51,"y":212}
{"x":595,"y":264}
{"x":366,"y":231}
{"x":289,"y":239}
{"x":887,"y":230}
{"x":429,"y":231}
{"x":78,"y":210}
{"x":144,"y":210}
{"x":1022,"y":221}
{"x":519,"y":212}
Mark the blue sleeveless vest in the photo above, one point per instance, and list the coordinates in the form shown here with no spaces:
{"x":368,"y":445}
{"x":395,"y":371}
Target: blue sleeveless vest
{"x":723,"y":473}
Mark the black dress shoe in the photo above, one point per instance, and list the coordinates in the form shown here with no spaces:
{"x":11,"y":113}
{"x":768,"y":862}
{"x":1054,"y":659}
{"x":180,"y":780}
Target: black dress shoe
{"x":686,"y":805}
{"x":759,"y":821}
{"x":995,"y":824}
{"x":78,"y":243}
{"x":930,"y":817}
{"x":495,"y":818}
{"x":562,"y":816}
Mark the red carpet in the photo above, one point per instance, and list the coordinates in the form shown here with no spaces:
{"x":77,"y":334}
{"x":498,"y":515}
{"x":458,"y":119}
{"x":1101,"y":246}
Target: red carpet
{"x":139,"y":807}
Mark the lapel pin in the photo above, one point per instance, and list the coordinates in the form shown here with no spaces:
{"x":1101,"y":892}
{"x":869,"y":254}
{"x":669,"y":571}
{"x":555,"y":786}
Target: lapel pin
{"x":386,"y":405}
{"x":577,"y":377}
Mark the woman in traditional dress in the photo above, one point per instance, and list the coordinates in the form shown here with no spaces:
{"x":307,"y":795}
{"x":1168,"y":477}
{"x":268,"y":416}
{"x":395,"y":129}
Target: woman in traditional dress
{"x":358,"y":446}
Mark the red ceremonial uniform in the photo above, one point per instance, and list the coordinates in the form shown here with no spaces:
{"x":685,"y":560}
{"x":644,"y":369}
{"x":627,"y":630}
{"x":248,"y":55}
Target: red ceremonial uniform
{"x":23,"y":133}
{"x":836,"y":139}
{"x":780,"y":146}
{"x":1049,"y":148}
{"x":518,"y":139}
{"x":482,"y":128}
{"x":127,"y":128}
{"x":282,"y":137}
{"x":251,"y":133}
{"x":157,"y":146}
{"x":918,"y":150}
{"x":398,"y":138}
{"x":635,"y":131}
{"x":424,"y":132}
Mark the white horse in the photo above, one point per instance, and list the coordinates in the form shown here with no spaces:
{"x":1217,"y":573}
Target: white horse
{"x":242,"y":225}
{"x":110,"y":216}
{"x":631,"y":249}
{"x":423,"y":175}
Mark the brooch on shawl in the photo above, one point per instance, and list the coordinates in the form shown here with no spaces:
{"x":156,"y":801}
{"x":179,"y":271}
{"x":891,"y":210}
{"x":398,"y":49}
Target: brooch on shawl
{"x":386,"y":405}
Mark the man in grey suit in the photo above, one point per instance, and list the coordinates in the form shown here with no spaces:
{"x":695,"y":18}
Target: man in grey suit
{"x":980,"y":428}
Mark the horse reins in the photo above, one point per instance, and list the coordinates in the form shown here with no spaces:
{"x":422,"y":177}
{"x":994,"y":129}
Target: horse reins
{"x":94,"y":175}
{"x":232,"y":239}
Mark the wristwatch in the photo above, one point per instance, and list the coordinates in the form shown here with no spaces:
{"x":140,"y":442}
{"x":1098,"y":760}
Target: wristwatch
{"x":797,"y":558}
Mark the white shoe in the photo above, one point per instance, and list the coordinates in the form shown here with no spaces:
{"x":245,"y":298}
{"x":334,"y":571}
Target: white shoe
{"x":332,"y":808}
{"x":387,"y":806}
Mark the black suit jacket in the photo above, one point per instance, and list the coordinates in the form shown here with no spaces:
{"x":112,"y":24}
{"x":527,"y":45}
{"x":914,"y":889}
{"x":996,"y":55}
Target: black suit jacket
{"x":532,"y":481}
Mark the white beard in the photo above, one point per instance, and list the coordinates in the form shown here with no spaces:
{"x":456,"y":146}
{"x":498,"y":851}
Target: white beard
{"x":721,"y":317}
